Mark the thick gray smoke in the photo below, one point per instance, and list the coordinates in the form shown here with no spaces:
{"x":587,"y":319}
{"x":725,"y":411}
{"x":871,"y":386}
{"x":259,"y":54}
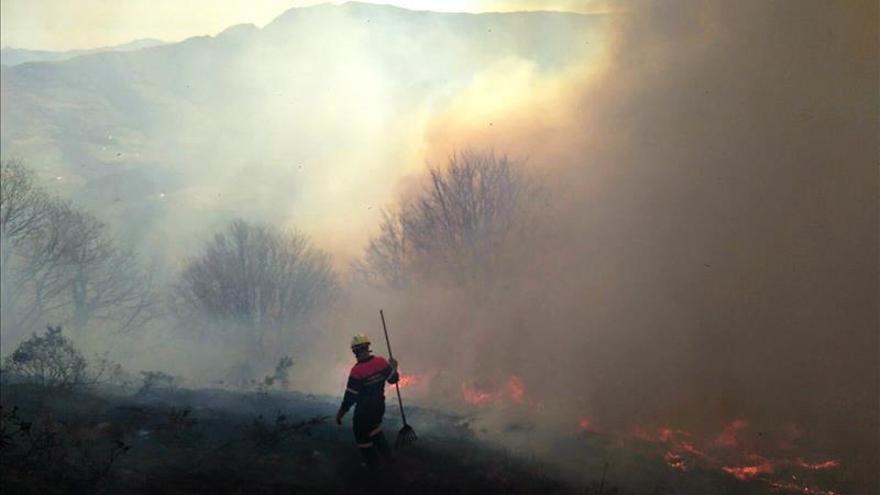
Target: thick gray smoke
{"x":724,"y":215}
{"x":713,"y":249}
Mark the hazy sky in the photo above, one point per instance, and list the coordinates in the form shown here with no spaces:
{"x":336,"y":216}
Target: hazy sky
{"x":65,"y":24}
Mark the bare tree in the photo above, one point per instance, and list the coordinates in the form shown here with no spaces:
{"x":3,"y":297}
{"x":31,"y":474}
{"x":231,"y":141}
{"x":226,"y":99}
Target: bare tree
{"x":32,"y":250}
{"x":262,"y":279}
{"x":107,"y":284}
{"x":385,"y":257}
{"x":455,"y":228}
{"x":60,"y":264}
{"x":22,"y":204}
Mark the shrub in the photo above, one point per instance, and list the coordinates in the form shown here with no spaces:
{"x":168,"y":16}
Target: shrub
{"x":40,"y":455}
{"x":49,"y":360}
{"x":155,"y":381}
{"x":281,"y":376}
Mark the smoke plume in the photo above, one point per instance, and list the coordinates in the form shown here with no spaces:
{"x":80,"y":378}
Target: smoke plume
{"x":712,"y":251}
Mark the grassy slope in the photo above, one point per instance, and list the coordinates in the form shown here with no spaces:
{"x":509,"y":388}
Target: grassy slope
{"x":223,"y":451}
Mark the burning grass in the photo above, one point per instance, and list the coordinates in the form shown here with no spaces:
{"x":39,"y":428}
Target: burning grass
{"x":185,"y":441}
{"x":735,"y":453}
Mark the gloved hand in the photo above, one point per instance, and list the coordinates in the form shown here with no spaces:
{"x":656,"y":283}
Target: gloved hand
{"x":393,"y":363}
{"x":339,"y":416}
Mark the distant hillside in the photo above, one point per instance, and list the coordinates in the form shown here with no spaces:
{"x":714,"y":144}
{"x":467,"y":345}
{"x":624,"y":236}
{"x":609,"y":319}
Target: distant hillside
{"x":267,"y":122}
{"x":15,"y":56}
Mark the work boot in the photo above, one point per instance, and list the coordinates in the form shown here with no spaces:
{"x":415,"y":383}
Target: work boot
{"x":371,"y":458}
{"x":381,"y":444}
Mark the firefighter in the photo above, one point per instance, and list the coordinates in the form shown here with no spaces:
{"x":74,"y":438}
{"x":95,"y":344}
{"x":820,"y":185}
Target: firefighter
{"x":366,"y":391}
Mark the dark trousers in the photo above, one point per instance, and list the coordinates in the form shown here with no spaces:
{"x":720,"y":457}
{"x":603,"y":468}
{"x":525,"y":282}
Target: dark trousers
{"x":367,"y":423}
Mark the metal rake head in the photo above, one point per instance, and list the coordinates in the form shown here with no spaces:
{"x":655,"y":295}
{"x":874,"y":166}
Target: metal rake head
{"x":405,"y":436}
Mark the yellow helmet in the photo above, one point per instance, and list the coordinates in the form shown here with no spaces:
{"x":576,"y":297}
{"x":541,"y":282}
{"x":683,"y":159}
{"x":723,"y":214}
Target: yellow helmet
{"x":359,"y":340}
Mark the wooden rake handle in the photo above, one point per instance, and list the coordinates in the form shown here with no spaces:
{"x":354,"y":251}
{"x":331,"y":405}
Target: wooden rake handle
{"x":391,"y":356}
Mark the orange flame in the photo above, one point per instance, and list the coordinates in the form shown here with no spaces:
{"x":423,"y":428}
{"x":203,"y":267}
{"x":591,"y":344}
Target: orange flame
{"x":728,"y":438}
{"x":675,"y":461}
{"x":409,"y":380}
{"x":515,"y":389}
{"x":744,"y":473}
{"x":477,"y":397}
{"x":687,"y":447}
{"x":584,"y":424}
{"x":831,"y":464}
{"x":682,"y":452}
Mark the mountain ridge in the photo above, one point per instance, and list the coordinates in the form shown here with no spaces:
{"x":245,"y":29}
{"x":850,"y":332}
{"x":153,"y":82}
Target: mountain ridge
{"x":14,"y":56}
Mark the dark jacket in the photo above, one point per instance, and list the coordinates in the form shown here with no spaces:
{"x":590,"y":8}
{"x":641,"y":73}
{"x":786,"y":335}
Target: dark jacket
{"x":366,"y":383}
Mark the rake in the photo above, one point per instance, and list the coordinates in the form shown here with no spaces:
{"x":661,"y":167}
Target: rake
{"x":406,"y":435}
